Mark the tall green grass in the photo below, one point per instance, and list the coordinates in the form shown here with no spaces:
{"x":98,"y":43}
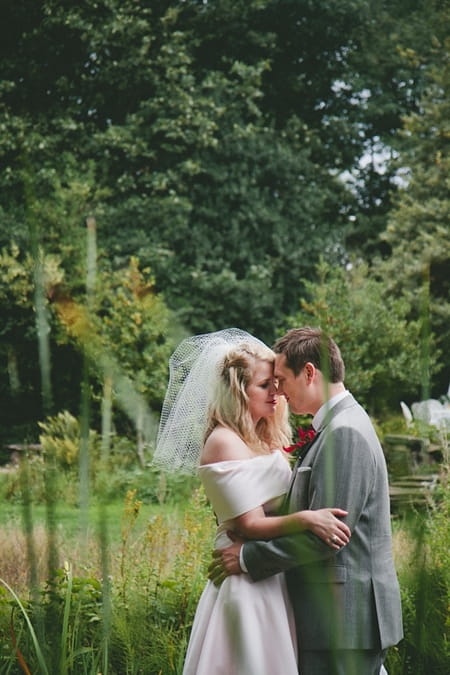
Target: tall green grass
{"x":158,"y":566}
{"x":158,"y":569}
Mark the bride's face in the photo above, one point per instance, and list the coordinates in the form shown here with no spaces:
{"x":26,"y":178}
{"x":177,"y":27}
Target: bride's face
{"x":262,"y":391}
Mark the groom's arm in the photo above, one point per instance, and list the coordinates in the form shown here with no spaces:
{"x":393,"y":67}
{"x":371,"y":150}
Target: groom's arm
{"x":262,"y":559}
{"x":346,"y":483}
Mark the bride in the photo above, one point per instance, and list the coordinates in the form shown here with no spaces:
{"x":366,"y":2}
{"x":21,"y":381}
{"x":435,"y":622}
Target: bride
{"x":222,"y":417}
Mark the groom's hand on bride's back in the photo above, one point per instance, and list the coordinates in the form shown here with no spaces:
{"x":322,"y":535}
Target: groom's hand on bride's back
{"x":226,"y":560}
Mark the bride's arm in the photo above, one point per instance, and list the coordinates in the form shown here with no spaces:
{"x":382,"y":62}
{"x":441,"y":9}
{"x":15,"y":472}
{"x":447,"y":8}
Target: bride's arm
{"x":223,"y":444}
{"x":324,"y":523}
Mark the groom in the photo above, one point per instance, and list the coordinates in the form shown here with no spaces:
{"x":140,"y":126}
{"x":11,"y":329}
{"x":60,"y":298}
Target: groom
{"x":346,"y":602}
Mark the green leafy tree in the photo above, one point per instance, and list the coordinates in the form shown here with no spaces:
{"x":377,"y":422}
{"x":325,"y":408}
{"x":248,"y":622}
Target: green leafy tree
{"x":380,"y":345}
{"x":234,"y":148}
{"x":134,"y":324}
{"x":122,"y":330}
{"x":254,"y":232}
{"x":418,"y":229}
{"x":208,"y":139}
{"x":385,"y":80}
{"x":343,"y":70}
{"x":18,"y":345}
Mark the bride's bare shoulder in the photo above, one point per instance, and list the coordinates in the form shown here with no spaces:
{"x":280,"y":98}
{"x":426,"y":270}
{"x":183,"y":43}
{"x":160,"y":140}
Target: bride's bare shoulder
{"x":222,"y":445}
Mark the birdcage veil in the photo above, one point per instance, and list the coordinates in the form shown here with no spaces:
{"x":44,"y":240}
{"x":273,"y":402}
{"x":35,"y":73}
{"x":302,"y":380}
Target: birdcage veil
{"x":193,"y":371}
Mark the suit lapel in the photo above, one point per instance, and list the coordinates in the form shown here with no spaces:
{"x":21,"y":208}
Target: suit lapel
{"x":301,"y":456}
{"x":332,"y":412}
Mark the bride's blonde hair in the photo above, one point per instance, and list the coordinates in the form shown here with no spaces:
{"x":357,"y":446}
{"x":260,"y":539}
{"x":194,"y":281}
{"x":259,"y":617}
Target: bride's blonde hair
{"x":230,"y":404}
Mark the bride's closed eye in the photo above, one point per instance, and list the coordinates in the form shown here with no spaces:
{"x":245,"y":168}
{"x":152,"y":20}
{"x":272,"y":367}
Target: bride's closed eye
{"x":269,"y":383}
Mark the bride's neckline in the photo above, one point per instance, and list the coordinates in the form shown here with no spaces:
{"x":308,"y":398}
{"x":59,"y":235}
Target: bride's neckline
{"x":242,"y":459}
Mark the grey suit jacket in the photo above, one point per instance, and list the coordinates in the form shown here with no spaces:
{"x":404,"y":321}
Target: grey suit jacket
{"x":348,"y":599}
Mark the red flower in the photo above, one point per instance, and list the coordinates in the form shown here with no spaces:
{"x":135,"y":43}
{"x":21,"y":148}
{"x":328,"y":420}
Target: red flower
{"x":304,"y":436}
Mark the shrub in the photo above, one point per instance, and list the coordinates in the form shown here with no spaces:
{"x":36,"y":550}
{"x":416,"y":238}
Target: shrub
{"x":60,"y":440}
{"x":54,"y":474}
{"x":424,"y":575}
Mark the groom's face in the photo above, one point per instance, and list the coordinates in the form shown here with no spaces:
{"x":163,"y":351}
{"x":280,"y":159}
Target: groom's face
{"x":293,"y":387}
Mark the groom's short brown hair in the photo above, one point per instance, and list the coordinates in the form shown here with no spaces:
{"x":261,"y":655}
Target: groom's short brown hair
{"x":311,"y":345}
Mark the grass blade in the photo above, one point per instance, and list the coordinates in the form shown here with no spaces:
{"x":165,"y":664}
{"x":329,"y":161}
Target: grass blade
{"x":37,"y":648}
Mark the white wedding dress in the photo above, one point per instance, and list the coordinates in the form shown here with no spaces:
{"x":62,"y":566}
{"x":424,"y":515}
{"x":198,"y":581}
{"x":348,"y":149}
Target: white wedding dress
{"x":243,"y":628}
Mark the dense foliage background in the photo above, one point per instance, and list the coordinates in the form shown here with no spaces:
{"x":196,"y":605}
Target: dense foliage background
{"x":169,"y":167}
{"x":239,"y":162}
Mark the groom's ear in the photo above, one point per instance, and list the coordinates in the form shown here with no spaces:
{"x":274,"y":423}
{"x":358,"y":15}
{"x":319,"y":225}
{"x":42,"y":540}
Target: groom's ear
{"x":309,"y":371}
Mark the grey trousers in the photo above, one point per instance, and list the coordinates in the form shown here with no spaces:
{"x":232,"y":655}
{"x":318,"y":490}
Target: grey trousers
{"x":341,"y":662}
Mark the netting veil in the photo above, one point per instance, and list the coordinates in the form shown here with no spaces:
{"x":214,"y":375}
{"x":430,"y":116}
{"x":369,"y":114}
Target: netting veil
{"x":194,"y":368}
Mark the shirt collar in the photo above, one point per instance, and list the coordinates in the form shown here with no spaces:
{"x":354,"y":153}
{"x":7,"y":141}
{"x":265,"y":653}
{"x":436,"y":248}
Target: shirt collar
{"x":320,"y":415}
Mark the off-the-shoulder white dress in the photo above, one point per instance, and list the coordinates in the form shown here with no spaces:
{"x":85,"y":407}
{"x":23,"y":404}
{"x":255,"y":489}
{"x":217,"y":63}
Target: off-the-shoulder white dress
{"x":243,"y":628}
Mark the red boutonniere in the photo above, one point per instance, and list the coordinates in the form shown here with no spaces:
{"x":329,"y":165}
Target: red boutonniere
{"x":304,"y":436}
